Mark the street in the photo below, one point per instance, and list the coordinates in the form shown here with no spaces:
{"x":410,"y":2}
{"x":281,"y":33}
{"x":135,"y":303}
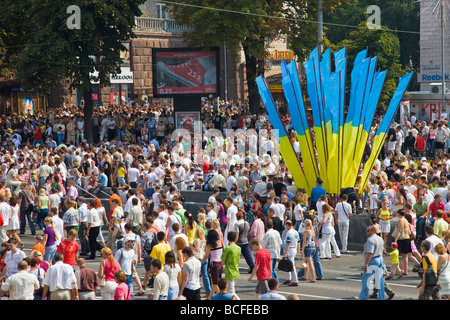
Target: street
{"x":342,"y":279}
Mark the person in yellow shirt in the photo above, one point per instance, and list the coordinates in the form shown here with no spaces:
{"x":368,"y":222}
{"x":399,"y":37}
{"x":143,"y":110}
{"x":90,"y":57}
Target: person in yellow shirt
{"x":384,"y":216}
{"x":121,"y":171}
{"x":395,"y":266}
{"x":440,"y":224}
{"x":428,"y":260}
{"x":159,"y":250}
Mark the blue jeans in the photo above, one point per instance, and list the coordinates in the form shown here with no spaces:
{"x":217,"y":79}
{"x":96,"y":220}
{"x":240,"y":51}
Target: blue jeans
{"x":375,"y":272}
{"x":173,"y":292}
{"x":129,"y":282}
{"x":205,"y":277}
{"x":60,"y":137}
{"x":420,"y":224}
{"x":41,"y":216}
{"x":274,"y":271}
{"x":317,"y":266}
{"x":247,"y":255}
{"x":49,"y":252}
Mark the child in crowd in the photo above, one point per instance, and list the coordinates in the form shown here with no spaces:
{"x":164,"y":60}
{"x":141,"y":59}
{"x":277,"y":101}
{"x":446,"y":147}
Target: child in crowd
{"x":395,"y":266}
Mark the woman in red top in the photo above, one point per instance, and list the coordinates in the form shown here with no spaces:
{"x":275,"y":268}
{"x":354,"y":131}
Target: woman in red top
{"x":108,"y":267}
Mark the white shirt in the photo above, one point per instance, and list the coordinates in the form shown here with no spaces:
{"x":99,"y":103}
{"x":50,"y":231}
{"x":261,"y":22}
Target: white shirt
{"x":434,"y":240}
{"x":126,"y":260}
{"x":298,"y":211}
{"x":5,"y":211}
{"x":60,"y":276}
{"x":58,"y":224}
{"x":211,"y":215}
{"x":231,"y":181}
{"x":343,"y":208}
{"x":175,"y":236}
{"x":292,"y":239}
{"x":12,"y":260}
{"x":191,"y":269}
{"x":272,"y":242}
{"x":231,"y":214}
{"x":93,"y":218}
{"x":83,"y":212}
{"x":133,"y":174}
{"x":260,"y":188}
{"x":21,"y":285}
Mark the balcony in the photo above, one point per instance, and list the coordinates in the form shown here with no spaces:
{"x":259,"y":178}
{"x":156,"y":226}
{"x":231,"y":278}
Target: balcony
{"x":159,"y":25}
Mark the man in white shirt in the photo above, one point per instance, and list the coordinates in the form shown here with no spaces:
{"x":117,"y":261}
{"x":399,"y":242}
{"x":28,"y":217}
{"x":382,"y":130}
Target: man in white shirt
{"x":22,"y":284}
{"x":60,"y":280}
{"x":93,"y":228}
{"x":261,"y":187}
{"x":292,"y":251}
{"x":129,"y":203}
{"x":344,"y":213}
{"x":189,"y":179}
{"x":133,"y":176}
{"x":83,"y":210}
{"x":210,"y":213}
{"x":58,"y":224}
{"x":125,"y":256}
{"x":433,"y":239}
{"x":231,"y":215}
{"x":178,"y":177}
{"x":231,"y":181}
{"x":272,"y":242}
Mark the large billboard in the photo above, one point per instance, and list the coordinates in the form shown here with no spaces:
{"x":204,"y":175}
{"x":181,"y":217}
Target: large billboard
{"x":185,"y":71}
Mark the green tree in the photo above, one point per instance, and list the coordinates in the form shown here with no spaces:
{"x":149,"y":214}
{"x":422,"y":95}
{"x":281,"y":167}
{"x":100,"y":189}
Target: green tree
{"x":402,"y":15}
{"x":381,"y":43}
{"x":49,"y":50}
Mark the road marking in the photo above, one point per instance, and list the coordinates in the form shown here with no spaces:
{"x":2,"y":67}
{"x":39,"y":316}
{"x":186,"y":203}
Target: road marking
{"x":390,"y":283}
{"x":310,"y":295}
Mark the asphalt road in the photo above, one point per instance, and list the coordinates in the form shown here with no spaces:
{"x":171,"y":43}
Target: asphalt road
{"x":342,"y":279}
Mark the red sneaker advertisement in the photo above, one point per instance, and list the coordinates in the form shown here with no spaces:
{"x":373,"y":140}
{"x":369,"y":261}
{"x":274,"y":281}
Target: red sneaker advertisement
{"x":185,"y":72}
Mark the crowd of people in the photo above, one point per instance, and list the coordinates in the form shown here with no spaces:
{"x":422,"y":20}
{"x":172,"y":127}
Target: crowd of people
{"x":52,"y":180}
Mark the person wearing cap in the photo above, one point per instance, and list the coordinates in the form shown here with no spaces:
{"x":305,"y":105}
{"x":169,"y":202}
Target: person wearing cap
{"x":316,"y":193}
{"x":125,"y":256}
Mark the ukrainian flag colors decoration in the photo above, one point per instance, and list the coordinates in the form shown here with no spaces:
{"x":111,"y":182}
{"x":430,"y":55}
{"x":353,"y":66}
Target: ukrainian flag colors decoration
{"x":333,"y":148}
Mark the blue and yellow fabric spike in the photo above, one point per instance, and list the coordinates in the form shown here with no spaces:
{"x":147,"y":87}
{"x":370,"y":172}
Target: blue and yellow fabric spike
{"x":335,"y":153}
{"x":340,"y":62}
{"x":285,"y":146}
{"x":380,"y":135}
{"x":299,"y":120}
{"x":315,"y":93}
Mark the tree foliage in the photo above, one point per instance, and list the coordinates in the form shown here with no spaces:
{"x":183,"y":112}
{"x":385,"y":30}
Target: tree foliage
{"x":381,"y":43}
{"x":402,"y":15}
{"x":47,"y":50}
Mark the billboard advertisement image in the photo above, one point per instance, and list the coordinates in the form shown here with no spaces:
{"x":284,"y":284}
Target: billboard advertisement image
{"x":185,"y":71}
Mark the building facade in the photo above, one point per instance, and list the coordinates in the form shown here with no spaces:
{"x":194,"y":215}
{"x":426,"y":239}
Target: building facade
{"x":154,"y":29}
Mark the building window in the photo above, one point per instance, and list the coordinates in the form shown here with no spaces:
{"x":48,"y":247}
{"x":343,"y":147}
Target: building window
{"x":161,"y":10}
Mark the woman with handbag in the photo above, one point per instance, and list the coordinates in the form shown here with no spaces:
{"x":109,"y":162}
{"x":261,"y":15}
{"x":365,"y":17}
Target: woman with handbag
{"x":108,"y":267}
